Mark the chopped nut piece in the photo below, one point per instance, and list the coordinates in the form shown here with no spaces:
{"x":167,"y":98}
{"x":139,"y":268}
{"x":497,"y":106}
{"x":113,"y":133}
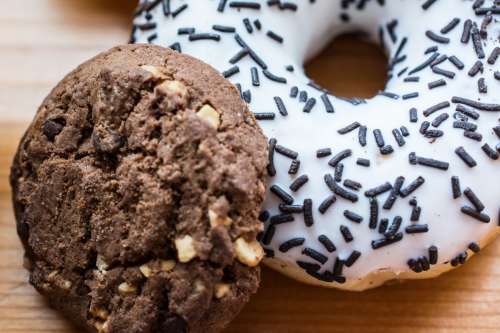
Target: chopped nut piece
{"x":221,"y":290}
{"x":174,"y":88}
{"x":100,"y":312}
{"x":101,"y":327}
{"x":167,"y":265}
{"x":125,"y":288}
{"x":216,"y":220}
{"x":52,"y":275}
{"x":154,"y":70}
{"x":146,"y":270}
{"x":98,"y":326}
{"x":199,"y":286}
{"x":247,"y":253}
{"x":208,"y":114}
{"x":66,"y":285}
{"x":105,"y":327}
{"x":101,"y":264}
{"x":185,"y":248}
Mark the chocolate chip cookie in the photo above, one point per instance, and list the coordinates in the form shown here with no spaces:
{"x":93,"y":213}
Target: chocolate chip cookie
{"x":137,"y":189}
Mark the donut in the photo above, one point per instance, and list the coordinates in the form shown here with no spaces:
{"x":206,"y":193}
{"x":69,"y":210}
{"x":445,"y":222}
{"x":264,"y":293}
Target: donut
{"x":137,"y":190}
{"x":404,"y":185}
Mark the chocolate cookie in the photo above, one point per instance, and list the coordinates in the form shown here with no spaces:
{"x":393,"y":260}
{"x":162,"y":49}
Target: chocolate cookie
{"x":137,"y":190}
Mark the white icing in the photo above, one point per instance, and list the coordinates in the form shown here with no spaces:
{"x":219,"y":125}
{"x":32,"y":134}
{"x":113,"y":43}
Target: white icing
{"x":306,"y":32}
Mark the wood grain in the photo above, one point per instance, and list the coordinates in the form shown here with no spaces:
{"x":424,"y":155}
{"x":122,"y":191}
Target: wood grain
{"x":41,"y":40}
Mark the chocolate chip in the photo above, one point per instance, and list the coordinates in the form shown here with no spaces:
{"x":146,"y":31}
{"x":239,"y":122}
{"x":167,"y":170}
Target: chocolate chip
{"x":107,"y":141}
{"x":52,"y":127}
{"x":173,"y":323}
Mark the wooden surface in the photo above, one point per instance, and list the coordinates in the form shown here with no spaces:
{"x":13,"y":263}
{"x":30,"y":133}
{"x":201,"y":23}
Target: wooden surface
{"x":41,"y":40}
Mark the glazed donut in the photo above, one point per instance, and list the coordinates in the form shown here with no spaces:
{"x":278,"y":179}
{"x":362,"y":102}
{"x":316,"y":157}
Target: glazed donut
{"x":361,"y":191}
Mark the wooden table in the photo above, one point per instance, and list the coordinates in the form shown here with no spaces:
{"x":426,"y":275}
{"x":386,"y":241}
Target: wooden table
{"x":41,"y":40}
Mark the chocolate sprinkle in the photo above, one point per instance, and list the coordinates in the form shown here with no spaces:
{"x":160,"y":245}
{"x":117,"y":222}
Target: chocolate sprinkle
{"x":413,"y":115}
{"x":313,"y":254}
{"x":308,"y":213}
{"x":455,"y":187}
{"x":429,"y":162}
{"x":349,"y":128}
{"x":474,"y":247}
{"x":391,"y":199}
{"x":417,"y":228}
{"x":378,"y":190}
{"x":339,"y":157}
{"x":363,"y":162}
{"x":281,"y":218}
{"x":373,"y":213}
{"x":414,"y":185}
{"x":286,"y":152}
{"x":474,"y":214}
{"x":325,"y":204}
{"x":323,"y":152}
{"x":384,"y":223}
{"x":460,"y":151}
{"x":490,"y":152}
{"x":351,"y":216}
{"x":281,"y":194}
{"x":433,"y":255}
{"x":379,"y":243}
{"x":299,"y":182}
{"x":291,"y":209}
{"x":474,"y":200}
{"x":353,"y":257}
{"x":327,"y":243}
{"x":362,"y":135}
{"x":271,"y":169}
{"x":346,"y":233}
{"x":290,"y":244}
{"x":294,"y":167}
{"x":436,"y":108}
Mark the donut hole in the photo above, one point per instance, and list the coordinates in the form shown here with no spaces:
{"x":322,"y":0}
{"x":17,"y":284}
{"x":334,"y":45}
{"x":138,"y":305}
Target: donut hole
{"x":350,"y":67}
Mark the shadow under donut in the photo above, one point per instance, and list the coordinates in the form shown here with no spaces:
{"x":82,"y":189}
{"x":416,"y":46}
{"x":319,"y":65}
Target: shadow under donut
{"x":464,"y":298}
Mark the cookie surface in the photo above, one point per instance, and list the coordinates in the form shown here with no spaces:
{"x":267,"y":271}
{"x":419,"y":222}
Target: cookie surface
{"x":137,"y":190}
